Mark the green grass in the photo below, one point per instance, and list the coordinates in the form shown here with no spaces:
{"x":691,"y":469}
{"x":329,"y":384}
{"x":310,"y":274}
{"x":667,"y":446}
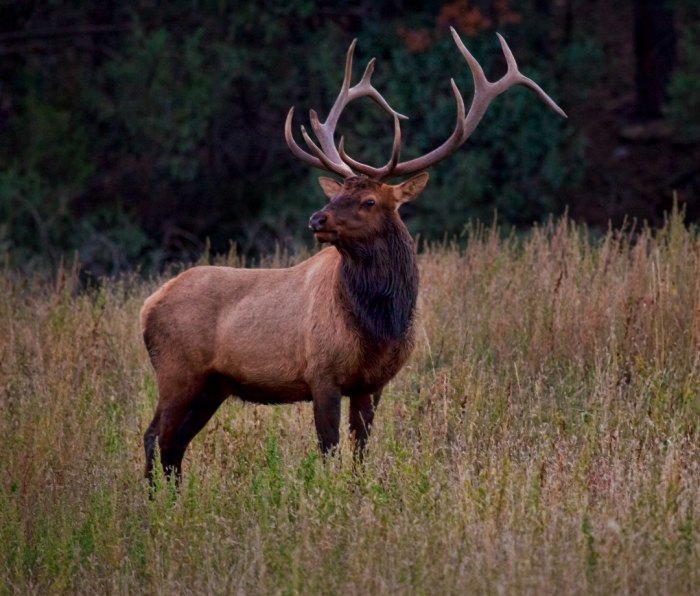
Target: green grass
{"x":543,"y":439}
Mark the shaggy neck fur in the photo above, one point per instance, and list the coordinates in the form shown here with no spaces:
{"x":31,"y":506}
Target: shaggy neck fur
{"x":380,"y":283}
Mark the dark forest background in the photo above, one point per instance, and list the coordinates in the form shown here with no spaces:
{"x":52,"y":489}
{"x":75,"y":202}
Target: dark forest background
{"x":137,"y":133}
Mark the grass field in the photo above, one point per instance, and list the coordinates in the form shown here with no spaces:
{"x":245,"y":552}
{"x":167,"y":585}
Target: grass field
{"x":543,"y":439}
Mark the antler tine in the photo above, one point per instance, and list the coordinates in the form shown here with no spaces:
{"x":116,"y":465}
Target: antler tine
{"x":526,"y":81}
{"x":485,"y":91}
{"x":395,"y":148}
{"x":365,"y":87}
{"x":324,"y":132}
{"x":296,"y":150}
{"x":376,"y":173}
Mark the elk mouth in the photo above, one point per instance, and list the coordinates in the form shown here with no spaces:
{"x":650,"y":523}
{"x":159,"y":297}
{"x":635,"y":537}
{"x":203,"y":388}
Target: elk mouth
{"x":326,"y":235}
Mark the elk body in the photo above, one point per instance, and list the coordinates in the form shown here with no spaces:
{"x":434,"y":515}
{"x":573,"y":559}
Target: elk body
{"x":339,"y":324}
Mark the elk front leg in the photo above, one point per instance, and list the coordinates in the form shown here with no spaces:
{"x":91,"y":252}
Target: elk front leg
{"x":362,"y":410}
{"x":327,"y":417}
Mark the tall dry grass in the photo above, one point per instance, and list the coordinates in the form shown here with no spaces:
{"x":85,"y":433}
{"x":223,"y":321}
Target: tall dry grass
{"x":543,"y":439}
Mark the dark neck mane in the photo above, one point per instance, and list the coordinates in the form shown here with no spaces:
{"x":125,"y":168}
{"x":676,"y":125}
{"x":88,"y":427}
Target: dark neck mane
{"x":379,"y":283}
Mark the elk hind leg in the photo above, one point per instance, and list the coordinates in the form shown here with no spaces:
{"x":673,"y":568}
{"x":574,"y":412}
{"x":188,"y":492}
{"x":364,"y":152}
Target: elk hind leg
{"x":149,"y":445}
{"x":177,"y":393}
{"x":202,"y":408}
{"x":187,"y":421}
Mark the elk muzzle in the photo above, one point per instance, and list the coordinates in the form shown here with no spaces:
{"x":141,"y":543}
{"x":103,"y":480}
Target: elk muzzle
{"x":321,"y":224}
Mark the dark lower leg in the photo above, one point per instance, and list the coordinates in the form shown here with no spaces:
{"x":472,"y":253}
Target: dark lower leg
{"x":149,"y":446}
{"x":361,"y":418}
{"x":327,"y":418}
{"x":171,"y":460}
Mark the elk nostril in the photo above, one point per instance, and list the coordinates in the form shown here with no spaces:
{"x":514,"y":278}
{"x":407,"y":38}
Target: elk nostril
{"x":317,"y":220}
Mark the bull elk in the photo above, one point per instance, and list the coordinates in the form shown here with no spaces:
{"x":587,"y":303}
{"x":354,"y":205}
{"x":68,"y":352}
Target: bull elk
{"x":340,"y":323}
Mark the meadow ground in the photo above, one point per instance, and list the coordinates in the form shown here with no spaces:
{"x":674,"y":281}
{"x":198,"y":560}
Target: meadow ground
{"x":543,"y":439}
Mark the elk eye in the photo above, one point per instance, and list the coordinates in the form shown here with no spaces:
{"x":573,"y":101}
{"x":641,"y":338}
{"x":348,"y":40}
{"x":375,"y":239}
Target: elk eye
{"x":369,"y":203}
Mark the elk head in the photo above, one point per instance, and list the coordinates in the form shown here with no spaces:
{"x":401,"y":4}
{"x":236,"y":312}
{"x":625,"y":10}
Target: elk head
{"x":359,"y":207}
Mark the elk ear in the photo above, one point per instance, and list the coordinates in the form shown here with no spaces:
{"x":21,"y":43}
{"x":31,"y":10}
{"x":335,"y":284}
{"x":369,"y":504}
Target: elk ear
{"x":330,"y":186}
{"x":409,"y":190}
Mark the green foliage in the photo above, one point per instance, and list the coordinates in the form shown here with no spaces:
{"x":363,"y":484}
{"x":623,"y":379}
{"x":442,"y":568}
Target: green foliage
{"x":42,"y":178}
{"x":137,"y":145}
{"x":170,"y":130}
{"x":165,"y":93}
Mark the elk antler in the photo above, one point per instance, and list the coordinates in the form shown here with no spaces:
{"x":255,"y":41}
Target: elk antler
{"x":484,"y":92}
{"x":337,"y":160}
{"x":327,"y":157}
